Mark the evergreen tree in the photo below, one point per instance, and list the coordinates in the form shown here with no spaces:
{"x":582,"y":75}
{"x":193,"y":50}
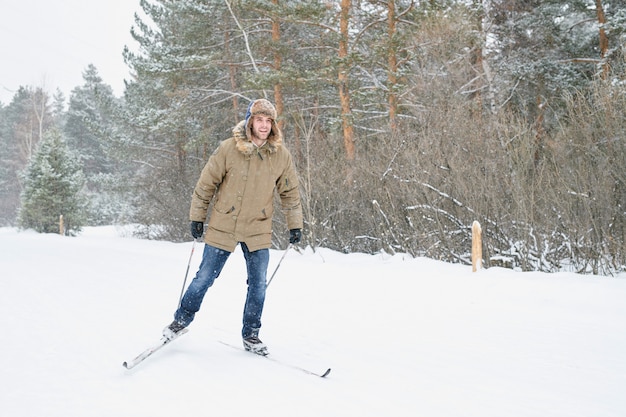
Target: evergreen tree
{"x":23,"y":122}
{"x":87,"y":117}
{"x":541,"y":50}
{"x":91,"y":127}
{"x":173,"y":108}
{"x":53,"y":185}
{"x":7,"y":203}
{"x":58,"y":109}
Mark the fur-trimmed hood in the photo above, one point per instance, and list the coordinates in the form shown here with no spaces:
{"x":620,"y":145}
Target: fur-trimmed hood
{"x":243,"y":135}
{"x":242,"y":132}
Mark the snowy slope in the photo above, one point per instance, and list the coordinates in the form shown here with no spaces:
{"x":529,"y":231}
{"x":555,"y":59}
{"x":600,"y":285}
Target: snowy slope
{"x":405,"y":337}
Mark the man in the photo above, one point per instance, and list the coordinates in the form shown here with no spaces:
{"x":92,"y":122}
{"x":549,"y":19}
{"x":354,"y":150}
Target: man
{"x":240,"y":177}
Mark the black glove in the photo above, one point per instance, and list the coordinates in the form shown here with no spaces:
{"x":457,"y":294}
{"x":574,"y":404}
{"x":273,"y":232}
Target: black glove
{"x":197,"y":228}
{"x":295,"y":235}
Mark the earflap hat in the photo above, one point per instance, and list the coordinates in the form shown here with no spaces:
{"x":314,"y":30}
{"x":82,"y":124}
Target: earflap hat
{"x":264,"y":107}
{"x":261,"y":106}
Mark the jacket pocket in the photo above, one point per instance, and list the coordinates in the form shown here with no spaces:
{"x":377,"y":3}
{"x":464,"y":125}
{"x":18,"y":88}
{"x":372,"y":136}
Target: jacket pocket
{"x":224,"y":207}
{"x":266,"y":213}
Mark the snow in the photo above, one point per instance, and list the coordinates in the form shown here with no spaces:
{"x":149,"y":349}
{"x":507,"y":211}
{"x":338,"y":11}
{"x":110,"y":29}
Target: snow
{"x":403,"y":336}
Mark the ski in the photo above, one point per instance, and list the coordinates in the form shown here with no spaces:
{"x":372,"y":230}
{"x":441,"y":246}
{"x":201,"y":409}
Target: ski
{"x":165,"y":341}
{"x":152,"y":349}
{"x":289,"y":365}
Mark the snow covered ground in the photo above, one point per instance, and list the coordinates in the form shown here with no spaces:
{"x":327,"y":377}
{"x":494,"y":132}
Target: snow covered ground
{"x":404,"y":337}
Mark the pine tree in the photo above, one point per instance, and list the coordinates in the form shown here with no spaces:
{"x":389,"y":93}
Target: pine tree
{"x":53,"y":185}
{"x":22,"y":124}
{"x":86,"y":121}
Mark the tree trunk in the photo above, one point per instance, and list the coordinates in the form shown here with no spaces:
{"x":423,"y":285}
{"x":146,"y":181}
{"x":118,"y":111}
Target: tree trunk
{"x":604,"y":40}
{"x":344,"y":91}
{"x":231,"y":75}
{"x":278,"y":91}
{"x":486,"y":27}
{"x":392,"y":62}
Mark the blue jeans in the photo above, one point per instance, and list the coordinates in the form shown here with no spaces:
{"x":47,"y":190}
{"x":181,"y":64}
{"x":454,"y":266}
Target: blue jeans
{"x":213,"y":260}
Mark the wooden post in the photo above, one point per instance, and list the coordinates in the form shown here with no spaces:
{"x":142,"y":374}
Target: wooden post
{"x":61,"y":225}
{"x":477,"y":247}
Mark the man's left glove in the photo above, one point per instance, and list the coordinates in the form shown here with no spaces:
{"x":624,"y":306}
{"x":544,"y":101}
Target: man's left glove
{"x":295,"y":235}
{"x":197,"y":229}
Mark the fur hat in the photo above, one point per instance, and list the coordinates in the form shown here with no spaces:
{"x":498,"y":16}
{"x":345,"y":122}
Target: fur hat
{"x":264,"y":107}
{"x":261,"y":106}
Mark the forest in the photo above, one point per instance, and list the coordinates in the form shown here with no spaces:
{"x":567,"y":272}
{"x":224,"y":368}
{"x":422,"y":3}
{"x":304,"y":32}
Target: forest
{"x":408,"y":121}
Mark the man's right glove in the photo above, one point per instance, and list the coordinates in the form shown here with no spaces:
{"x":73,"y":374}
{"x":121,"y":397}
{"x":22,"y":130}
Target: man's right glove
{"x":197,"y":229}
{"x":295,"y":235}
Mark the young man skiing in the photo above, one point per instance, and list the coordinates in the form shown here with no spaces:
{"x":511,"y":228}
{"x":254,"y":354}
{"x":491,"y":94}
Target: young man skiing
{"x":240,"y":178}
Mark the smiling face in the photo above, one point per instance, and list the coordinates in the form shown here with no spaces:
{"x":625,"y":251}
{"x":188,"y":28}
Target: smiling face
{"x":261,"y":127}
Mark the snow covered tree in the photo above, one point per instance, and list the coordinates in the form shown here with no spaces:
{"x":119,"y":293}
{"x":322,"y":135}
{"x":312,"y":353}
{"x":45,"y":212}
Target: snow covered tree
{"x":90,"y":127}
{"x":53,"y":185}
{"x":87,"y":117}
{"x":541,"y":50}
{"x":8,"y":202}
{"x":428,"y":99}
{"x":23,"y":122}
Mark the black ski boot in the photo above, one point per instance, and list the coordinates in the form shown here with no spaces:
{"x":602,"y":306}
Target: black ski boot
{"x":253,"y":344}
{"x":174,"y":330}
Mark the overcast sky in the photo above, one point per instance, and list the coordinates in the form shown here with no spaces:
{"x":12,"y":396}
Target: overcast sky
{"x":49,"y":43}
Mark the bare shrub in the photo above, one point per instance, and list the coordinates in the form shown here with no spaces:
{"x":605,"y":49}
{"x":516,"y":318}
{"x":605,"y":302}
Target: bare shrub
{"x":591,"y":195}
{"x":546,"y":203}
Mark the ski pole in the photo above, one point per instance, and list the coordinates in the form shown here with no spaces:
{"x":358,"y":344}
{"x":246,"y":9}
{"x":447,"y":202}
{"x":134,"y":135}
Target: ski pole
{"x":278,"y":266}
{"x":182,"y":290}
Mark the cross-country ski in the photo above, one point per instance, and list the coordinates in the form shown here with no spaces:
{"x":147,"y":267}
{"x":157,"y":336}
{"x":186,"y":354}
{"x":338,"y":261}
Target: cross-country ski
{"x":165,"y":340}
{"x":323,"y":374}
{"x":152,"y":349}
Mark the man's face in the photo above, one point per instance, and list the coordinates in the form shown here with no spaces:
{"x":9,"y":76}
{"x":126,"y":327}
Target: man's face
{"x":261,"y":126}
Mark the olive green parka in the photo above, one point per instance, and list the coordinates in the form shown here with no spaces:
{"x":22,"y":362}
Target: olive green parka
{"x":240,"y":179}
